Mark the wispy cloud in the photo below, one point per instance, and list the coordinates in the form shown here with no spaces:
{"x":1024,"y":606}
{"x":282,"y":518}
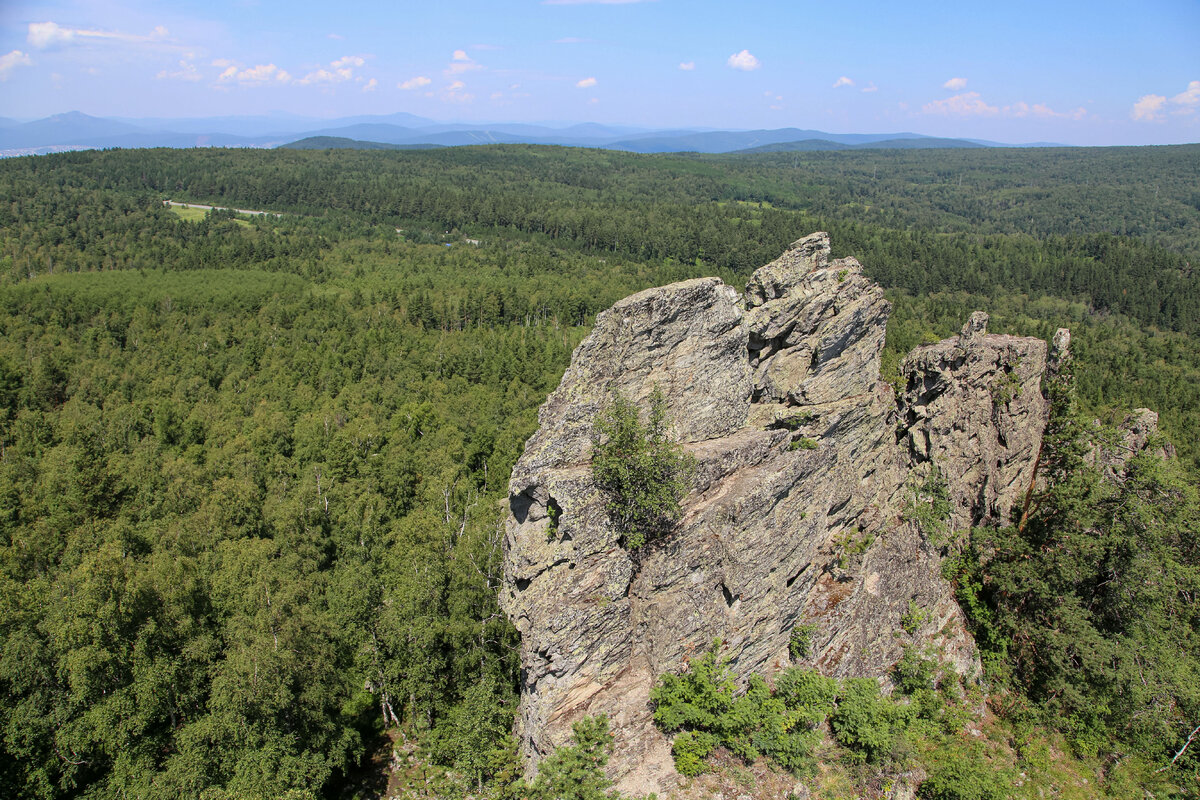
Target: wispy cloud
{"x":454,"y":93}
{"x":570,"y":40}
{"x":586,"y":83}
{"x":10,"y":61}
{"x":843,"y":81}
{"x":43,"y":35}
{"x":955,"y":84}
{"x":187,"y":72}
{"x":370,"y":85}
{"x":961,"y":105}
{"x":414,"y":83}
{"x":687,"y":66}
{"x":1043,"y":110}
{"x":972,"y":104}
{"x":258,"y":75}
{"x":744,"y":61}
{"x":870,"y":87}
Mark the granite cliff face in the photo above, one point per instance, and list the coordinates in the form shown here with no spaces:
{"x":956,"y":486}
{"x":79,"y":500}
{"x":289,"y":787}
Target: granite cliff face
{"x":805,"y":463}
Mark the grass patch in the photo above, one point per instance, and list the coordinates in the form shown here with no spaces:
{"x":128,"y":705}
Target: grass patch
{"x":189,"y":214}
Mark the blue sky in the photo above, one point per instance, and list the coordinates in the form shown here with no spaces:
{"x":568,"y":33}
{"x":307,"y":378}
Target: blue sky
{"x":1076,"y":72}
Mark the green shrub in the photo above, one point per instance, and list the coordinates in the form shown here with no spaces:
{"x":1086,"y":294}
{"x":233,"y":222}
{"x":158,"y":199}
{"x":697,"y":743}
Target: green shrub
{"x":690,"y":748}
{"x":914,"y":672}
{"x":913,"y":618}
{"x":930,"y":507}
{"x":694,"y":699}
{"x":780,"y":724}
{"x":643,"y":473}
{"x":800,"y":642}
{"x":576,"y":772}
{"x":961,"y":778}
{"x":807,"y":694}
{"x":863,"y":720}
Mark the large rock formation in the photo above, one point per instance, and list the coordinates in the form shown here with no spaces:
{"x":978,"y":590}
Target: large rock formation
{"x":805,"y":463}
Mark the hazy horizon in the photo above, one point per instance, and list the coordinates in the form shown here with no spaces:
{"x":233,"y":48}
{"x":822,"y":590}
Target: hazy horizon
{"x":1075,"y":73}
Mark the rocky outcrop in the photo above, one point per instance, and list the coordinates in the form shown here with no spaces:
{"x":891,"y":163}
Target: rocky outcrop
{"x":806,"y":461}
{"x":973,"y":406}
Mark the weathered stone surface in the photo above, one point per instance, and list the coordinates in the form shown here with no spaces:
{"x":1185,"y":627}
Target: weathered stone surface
{"x":796,"y":514}
{"x":1135,"y":433}
{"x":973,"y":405}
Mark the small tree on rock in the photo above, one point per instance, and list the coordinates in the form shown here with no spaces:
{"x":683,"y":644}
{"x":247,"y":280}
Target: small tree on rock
{"x":641,"y":469}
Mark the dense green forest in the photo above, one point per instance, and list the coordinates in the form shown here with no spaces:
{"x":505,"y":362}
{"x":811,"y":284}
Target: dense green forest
{"x":252,"y":467}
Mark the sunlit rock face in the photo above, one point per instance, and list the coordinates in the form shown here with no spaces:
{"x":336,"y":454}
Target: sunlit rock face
{"x":805,"y":463}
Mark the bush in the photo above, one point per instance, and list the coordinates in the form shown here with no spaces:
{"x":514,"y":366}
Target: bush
{"x":864,"y":719}
{"x":690,"y":748}
{"x":800,"y":642}
{"x":576,"y":772}
{"x":642,"y":471}
{"x":961,"y":779}
{"x":779,"y":724}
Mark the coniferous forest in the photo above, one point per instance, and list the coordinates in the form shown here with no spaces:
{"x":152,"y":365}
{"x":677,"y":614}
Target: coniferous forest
{"x":252,"y":466}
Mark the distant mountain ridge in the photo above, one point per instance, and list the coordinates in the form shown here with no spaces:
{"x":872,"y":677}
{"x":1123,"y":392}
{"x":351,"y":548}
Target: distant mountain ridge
{"x":75,"y":130}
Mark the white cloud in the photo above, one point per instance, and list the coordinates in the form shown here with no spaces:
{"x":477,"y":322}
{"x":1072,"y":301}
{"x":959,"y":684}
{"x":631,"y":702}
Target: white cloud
{"x":186,"y":72}
{"x":570,"y":40}
{"x":1044,"y":111}
{"x":45,"y":34}
{"x":414,"y":83}
{"x":257,"y":75}
{"x":1189,"y":96}
{"x":48,"y":34}
{"x":454,"y":93}
{"x":1155,"y":107}
{"x":460,"y":63}
{"x":11,"y":61}
{"x":592,"y":2}
{"x":687,"y":66}
{"x":744,"y":61}
{"x":955,"y":84}
{"x":843,"y":81}
{"x":586,"y":83}
{"x":371,"y":85}
{"x":339,"y":70}
{"x":972,"y":104}
{"x":1149,"y":108}
{"x":961,"y":105}
{"x":871,"y":87}
{"x":336,"y":36}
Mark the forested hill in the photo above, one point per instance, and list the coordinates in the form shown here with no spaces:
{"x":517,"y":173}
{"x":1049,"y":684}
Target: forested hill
{"x":250,"y":467}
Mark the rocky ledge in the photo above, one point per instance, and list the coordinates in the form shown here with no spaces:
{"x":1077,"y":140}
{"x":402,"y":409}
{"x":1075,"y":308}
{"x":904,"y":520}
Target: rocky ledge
{"x":806,"y":462}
